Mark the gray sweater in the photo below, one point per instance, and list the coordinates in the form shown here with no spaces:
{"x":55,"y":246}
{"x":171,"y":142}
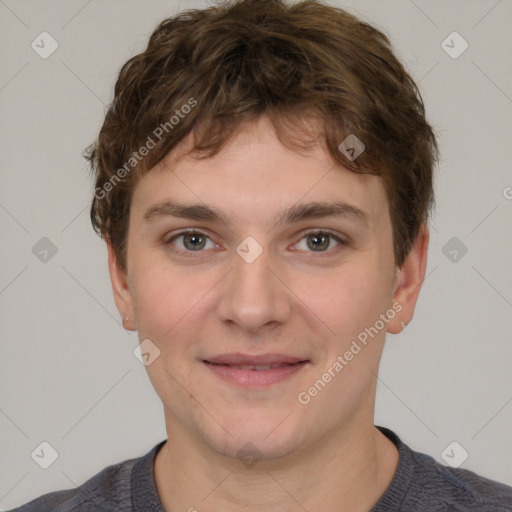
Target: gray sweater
{"x":420,"y":484}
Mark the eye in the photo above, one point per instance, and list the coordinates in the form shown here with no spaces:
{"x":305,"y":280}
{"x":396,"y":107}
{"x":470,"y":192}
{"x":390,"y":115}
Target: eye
{"x":319,"y":241}
{"x":192,"y":241}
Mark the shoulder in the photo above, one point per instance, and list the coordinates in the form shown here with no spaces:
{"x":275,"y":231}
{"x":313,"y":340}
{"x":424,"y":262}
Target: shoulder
{"x":108,"y":490}
{"x":422,"y":484}
{"x":460,"y":489}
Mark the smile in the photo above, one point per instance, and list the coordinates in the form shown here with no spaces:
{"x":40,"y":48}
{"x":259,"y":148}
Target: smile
{"x":258,"y":367}
{"x":255,"y":375}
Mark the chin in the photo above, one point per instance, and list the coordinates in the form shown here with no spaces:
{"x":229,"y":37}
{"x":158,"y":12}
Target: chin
{"x":250,"y":451}
{"x":255,"y":438}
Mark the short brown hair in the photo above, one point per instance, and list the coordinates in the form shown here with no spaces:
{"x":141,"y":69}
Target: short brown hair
{"x":233,"y":62}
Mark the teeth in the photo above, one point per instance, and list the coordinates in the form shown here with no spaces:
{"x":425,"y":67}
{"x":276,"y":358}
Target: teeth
{"x":255,"y":366}
{"x":258,"y":367}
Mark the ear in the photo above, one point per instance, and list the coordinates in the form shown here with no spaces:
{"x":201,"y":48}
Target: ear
{"x":408,"y":281}
{"x":122,"y":294}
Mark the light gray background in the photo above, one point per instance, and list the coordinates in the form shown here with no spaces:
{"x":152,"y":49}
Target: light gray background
{"x":68,"y":373}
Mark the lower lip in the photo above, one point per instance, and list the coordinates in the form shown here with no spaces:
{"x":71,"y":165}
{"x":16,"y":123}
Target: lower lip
{"x":255,"y":378}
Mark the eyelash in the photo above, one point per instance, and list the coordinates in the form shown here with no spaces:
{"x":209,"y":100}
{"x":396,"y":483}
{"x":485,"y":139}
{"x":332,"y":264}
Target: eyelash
{"x":321,"y":254}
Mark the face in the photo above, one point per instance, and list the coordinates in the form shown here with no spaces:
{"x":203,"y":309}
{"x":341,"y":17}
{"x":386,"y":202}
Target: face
{"x":271,"y":281}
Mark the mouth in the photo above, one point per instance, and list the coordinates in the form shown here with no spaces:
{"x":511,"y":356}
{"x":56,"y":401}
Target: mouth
{"x":256,"y":373}
{"x":257,"y":367}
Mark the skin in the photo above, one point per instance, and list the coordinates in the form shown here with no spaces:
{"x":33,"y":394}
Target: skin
{"x":294,"y":299}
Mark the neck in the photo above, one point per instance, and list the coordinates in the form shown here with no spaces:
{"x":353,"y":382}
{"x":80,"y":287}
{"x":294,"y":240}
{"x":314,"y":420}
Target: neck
{"x":349,"y":472}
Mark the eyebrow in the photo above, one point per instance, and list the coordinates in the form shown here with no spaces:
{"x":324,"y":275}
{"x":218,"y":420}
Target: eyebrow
{"x":292,"y":214}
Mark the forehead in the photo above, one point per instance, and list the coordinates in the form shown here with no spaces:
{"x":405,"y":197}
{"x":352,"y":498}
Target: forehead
{"x":257,"y":179}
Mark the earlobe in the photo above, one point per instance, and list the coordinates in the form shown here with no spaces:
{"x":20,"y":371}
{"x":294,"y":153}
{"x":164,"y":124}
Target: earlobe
{"x":121,"y":289}
{"x":408,"y":281}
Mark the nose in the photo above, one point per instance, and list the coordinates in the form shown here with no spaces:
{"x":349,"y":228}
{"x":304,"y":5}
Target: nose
{"x":255,"y":296}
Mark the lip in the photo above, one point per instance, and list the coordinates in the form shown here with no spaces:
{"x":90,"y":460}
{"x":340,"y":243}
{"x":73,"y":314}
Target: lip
{"x":222,"y":367}
{"x":261,"y":359}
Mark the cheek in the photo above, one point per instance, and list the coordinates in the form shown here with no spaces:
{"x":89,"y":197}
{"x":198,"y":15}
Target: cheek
{"x":345,"y":296}
{"x":160,"y":301}
{"x":169,"y":302}
{"x":346,"y":302}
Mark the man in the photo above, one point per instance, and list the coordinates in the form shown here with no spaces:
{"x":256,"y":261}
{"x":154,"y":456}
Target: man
{"x":263,"y":183}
